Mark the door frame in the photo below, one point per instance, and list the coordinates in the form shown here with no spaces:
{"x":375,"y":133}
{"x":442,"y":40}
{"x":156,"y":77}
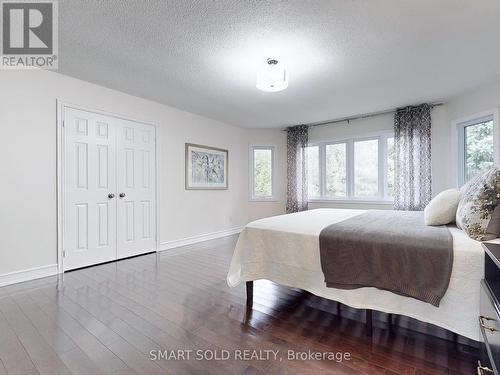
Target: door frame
{"x":61,"y":191}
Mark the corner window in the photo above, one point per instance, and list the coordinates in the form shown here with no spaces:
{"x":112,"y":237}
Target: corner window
{"x":262,"y":172}
{"x":476,"y":147}
{"x":366,"y":168}
{"x":352,"y":169}
{"x":336,"y":170}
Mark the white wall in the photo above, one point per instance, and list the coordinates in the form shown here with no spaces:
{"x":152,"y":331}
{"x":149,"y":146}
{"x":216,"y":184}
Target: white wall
{"x":444,"y":151}
{"x":440,"y":150}
{"x":28,"y":160}
{"x":444,"y":142}
{"x":28,"y":165}
{"x":444,"y":148}
{"x":481,"y":99}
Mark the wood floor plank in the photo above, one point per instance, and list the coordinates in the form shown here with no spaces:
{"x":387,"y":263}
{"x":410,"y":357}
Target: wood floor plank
{"x":3,"y":371}
{"x":14,"y":356}
{"x":361,"y":328}
{"x":159,"y":330}
{"x":41,"y":354}
{"x":114,"y":342}
{"x":118,"y":319}
{"x":108,"y":318}
{"x":99,"y":354}
{"x":199,"y":304}
{"x":72,"y":356}
{"x":79,"y":363}
{"x":48,"y":329}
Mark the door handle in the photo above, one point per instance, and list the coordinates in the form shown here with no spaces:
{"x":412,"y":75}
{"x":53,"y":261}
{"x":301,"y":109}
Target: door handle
{"x":482,"y":322}
{"x":122,"y":195}
{"x":482,"y":370}
{"x":111,"y":196}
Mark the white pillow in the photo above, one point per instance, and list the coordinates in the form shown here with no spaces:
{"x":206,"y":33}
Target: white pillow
{"x":478,"y":213}
{"x":442,"y":209}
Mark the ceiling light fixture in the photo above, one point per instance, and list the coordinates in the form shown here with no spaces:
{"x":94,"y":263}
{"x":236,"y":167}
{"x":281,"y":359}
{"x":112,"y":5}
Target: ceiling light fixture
{"x":272,"y":77}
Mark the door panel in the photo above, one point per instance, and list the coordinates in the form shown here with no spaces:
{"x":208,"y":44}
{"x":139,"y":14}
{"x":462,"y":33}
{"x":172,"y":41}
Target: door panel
{"x":89,"y":215}
{"x":135,"y":179}
{"x":146,"y":219}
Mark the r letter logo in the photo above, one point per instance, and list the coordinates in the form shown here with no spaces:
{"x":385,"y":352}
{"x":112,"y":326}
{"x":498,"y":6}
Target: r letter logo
{"x":29,"y":34}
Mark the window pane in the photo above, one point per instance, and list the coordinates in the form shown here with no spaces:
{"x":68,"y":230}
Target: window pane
{"x":313,"y":171}
{"x":336,"y":171}
{"x":263,"y":173}
{"x":390,"y":167}
{"x":366,"y":168}
{"x":478,"y":148}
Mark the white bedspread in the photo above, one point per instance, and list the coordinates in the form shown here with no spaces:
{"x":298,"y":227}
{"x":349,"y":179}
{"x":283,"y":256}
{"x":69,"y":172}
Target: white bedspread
{"x":285,"y":249}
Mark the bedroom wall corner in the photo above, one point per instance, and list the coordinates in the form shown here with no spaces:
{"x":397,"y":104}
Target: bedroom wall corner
{"x":28,"y":149}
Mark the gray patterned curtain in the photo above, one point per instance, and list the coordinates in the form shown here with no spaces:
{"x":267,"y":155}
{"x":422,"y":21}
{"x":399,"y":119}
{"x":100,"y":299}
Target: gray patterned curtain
{"x":412,"y":145}
{"x":296,"y":168}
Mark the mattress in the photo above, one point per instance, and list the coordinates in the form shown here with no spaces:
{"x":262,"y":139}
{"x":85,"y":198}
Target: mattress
{"x":285,"y":250}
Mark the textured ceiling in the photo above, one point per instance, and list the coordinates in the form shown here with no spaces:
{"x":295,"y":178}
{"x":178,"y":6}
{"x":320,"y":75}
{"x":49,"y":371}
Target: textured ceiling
{"x":344,"y":57}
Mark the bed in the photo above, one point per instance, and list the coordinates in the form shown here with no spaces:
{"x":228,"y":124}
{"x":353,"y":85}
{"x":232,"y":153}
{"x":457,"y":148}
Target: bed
{"x":285,"y":249}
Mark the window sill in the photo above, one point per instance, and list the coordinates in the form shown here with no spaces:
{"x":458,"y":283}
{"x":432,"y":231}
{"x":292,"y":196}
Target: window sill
{"x":353,"y":201}
{"x":270,"y":199}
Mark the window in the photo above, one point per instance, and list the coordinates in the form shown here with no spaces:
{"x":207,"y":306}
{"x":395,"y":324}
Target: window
{"x":366,"y":168}
{"x":336,"y":170}
{"x":476,"y":147}
{"x":262,"y":172}
{"x":352,"y":169}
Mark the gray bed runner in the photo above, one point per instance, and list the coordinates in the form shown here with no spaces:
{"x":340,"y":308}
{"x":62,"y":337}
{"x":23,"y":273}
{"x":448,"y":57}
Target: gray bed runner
{"x":390,"y":250}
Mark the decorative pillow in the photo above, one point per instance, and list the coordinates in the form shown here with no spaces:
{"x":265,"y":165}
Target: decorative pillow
{"x":477,"y":207}
{"x":442,"y":209}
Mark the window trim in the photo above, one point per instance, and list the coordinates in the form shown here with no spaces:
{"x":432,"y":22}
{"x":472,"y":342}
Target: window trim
{"x":382,"y":197}
{"x":253,"y":197}
{"x":459,"y":133}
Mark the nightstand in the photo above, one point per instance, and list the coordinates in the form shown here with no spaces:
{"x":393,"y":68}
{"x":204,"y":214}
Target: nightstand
{"x":489,"y":318}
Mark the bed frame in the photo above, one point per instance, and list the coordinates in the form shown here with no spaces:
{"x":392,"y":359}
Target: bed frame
{"x":369,"y":324}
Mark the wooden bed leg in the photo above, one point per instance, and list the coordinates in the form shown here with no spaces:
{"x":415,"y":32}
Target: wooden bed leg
{"x":249,"y":294}
{"x":369,"y":326}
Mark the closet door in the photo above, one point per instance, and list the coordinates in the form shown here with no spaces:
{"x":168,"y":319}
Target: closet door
{"x":90,"y":183}
{"x":136,"y":206}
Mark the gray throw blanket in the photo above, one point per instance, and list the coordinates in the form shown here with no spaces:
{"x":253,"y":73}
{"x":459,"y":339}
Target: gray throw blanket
{"x":391,"y":250}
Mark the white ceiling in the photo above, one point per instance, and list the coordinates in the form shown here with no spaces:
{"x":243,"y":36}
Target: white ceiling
{"x":344,"y":57}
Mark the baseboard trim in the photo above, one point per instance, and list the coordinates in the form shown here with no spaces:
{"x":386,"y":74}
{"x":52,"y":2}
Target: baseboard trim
{"x":27,"y":275}
{"x":200,"y":238}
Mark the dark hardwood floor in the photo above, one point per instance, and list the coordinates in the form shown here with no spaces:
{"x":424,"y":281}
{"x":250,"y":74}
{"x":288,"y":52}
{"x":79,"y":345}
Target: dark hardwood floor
{"x":107,"y":319}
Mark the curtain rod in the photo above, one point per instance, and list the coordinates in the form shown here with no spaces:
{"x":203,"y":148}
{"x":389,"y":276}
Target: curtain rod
{"x":359,"y":117}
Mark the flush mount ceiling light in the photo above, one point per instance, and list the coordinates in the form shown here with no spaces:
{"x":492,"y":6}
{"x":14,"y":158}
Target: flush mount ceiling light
{"x":272,"y":77}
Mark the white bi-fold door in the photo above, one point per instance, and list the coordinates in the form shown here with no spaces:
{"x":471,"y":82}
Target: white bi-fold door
{"x":109,"y":185}
{"x":136,"y":188}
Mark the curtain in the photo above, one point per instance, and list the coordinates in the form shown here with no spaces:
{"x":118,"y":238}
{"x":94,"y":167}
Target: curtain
{"x":296,"y":169}
{"x":412,"y":146}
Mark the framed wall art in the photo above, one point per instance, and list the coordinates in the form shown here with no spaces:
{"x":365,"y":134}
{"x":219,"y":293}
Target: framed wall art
{"x":206,"y":167}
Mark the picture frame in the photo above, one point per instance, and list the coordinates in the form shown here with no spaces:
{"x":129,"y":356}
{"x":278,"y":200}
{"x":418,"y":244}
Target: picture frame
{"x":206,"y":167}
